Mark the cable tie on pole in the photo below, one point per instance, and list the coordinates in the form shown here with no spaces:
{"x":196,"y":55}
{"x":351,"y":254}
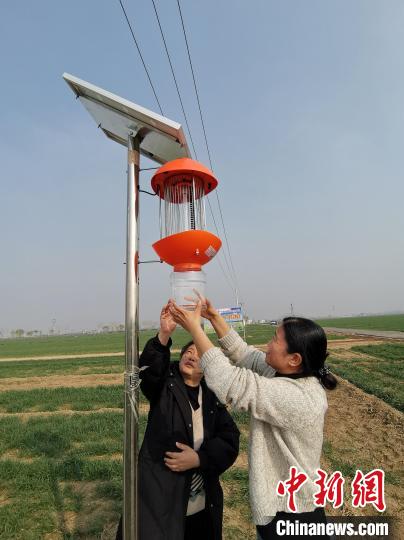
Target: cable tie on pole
{"x":132,"y":383}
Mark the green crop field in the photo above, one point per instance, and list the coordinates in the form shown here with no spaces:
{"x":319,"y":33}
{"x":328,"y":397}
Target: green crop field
{"x":62,"y":366}
{"x":379,"y":372}
{"x":69,"y":344}
{"x":113,"y":342}
{"x":379,"y":322}
{"x":62,"y":398}
{"x":61,"y":448}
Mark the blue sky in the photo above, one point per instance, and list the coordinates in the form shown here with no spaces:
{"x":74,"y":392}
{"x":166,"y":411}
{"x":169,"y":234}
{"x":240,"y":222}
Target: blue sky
{"x":303,"y":105}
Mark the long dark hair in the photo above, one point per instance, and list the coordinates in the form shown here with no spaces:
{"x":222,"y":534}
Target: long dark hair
{"x":307,"y":338}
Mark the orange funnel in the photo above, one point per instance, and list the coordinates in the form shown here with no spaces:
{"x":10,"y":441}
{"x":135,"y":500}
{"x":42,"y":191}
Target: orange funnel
{"x":188,"y":250}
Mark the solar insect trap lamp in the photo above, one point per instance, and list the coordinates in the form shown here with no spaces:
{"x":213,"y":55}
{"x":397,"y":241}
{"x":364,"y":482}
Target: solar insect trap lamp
{"x":184,"y":242}
{"x":146,"y":133}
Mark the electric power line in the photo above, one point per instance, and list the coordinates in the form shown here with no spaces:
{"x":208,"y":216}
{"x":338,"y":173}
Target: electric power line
{"x":196,"y":89}
{"x":206,"y":140}
{"x":227,"y":241}
{"x":141,"y":57}
{"x":174,"y":77}
{"x":230,"y":273}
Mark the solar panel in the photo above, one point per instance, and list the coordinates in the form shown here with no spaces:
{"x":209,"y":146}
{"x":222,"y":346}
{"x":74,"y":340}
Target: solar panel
{"x":162,"y":139}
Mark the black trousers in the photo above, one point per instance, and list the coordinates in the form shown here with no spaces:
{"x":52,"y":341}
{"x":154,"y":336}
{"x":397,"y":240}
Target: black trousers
{"x":198,"y":526}
{"x":267,"y":532}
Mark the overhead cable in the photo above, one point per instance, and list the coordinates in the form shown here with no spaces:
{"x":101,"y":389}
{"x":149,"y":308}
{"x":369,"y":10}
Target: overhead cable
{"x":230,"y":274}
{"x":227,"y":274}
{"x":196,"y":89}
{"x":141,"y":57}
{"x":206,"y":139}
{"x":174,"y":77}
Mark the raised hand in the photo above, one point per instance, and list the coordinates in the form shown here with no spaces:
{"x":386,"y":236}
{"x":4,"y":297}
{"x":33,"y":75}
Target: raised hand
{"x":167,"y":325}
{"x":207,"y":311}
{"x":187,"y":319}
{"x":191,"y":321}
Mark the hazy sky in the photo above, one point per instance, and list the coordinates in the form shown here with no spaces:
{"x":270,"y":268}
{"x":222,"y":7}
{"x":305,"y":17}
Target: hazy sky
{"x":304,"y":110}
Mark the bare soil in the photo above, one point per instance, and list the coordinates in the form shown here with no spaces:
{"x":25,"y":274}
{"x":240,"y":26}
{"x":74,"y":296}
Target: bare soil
{"x":56,"y":381}
{"x":68,"y":356}
{"x":93,"y":509}
{"x":367,"y":433}
{"x":61,"y":356}
{"x":24,"y":416}
{"x":348,"y":343}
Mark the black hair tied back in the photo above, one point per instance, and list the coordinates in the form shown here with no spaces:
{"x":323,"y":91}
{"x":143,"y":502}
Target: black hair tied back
{"x":327,"y":379}
{"x":307,"y":338}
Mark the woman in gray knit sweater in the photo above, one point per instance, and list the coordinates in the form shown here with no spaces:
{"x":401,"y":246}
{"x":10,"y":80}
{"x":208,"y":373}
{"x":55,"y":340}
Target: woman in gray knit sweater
{"x":284,"y":392}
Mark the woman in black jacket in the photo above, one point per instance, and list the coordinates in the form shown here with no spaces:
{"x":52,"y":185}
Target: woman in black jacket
{"x":190,"y":440}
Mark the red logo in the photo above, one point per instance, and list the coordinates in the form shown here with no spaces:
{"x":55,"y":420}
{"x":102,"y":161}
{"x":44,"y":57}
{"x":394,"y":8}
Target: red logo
{"x":369,"y":489}
{"x":293,"y":484}
{"x":331,"y":489}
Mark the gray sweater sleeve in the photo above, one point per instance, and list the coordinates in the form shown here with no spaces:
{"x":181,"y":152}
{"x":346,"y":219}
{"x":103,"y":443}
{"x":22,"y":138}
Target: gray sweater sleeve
{"x":278,"y":401}
{"x":243,"y":355}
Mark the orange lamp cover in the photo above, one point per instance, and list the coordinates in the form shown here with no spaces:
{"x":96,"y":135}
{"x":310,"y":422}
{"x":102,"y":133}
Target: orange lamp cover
{"x":187,"y":167}
{"x":188,"y":250}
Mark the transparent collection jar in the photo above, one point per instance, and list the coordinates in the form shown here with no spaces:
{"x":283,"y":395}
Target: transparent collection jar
{"x":184,"y":285}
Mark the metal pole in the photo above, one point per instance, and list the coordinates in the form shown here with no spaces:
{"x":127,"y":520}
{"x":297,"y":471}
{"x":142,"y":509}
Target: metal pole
{"x":130,"y":453}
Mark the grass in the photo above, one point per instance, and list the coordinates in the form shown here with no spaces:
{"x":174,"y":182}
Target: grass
{"x":59,"y":345}
{"x":53,"y":469}
{"x":383,"y":387}
{"x":235,"y":485}
{"x":380,"y":376}
{"x":394,"y":352}
{"x":54,"y":436}
{"x":53,"y":399}
{"x":50,"y":455}
{"x":42,"y":495}
{"x":75,"y":366}
{"x":379,"y":322}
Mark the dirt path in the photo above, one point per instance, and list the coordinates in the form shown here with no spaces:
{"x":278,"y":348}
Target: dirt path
{"x":24,"y":416}
{"x":348,"y":343}
{"x":57,"y":381}
{"x":68,"y":356}
{"x":143,"y":409}
{"x":60,"y":357}
{"x":384,"y":334}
